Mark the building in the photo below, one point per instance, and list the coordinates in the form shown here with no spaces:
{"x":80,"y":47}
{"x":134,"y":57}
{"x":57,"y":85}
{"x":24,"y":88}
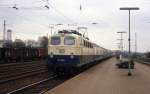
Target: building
{"x":1,"y":43}
{"x":9,"y":35}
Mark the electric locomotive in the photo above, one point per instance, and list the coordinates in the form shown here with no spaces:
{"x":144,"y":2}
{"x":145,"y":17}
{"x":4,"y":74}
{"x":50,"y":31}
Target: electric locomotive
{"x":69,"y":51}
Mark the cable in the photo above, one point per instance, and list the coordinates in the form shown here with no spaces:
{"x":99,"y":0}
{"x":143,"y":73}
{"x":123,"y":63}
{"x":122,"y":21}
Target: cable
{"x":39,"y":8}
{"x":47,"y":1}
{"x":21,"y":16}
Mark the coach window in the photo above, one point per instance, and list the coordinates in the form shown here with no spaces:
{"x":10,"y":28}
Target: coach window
{"x":91,"y":45}
{"x":69,"y":40}
{"x":84,"y":43}
{"x":55,"y":40}
{"x":87,"y":44}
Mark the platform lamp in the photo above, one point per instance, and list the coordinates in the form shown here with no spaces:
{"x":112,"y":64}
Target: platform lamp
{"x":129,"y":9}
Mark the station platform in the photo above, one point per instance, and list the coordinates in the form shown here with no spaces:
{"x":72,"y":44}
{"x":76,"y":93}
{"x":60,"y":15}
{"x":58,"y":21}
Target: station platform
{"x":106,"y":78}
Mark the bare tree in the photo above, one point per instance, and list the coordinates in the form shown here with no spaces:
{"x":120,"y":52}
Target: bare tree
{"x":43,"y":41}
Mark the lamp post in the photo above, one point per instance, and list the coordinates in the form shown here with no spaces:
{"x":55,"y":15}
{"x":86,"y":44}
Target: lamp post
{"x":118,"y":45}
{"x":135,"y":44}
{"x":129,"y":9}
{"x":121,"y":39}
{"x":121,"y":45}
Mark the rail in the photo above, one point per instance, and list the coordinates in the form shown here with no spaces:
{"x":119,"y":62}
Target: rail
{"x":20,"y":76}
{"x":31,"y":85}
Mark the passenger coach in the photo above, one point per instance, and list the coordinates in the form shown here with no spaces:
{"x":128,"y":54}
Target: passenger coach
{"x":69,"y":51}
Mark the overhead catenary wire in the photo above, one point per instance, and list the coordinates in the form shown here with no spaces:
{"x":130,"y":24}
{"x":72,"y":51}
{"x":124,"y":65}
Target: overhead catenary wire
{"x":27,"y":19}
{"x":58,"y":11}
{"x":31,"y":21}
{"x":47,"y":6}
{"x":17,"y":8}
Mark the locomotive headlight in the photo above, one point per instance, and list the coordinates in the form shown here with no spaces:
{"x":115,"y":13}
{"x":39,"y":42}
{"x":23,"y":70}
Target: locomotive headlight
{"x":72,"y":56}
{"x":51,"y":55}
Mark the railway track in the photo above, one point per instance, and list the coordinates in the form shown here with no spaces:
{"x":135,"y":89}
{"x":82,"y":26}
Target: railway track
{"x":14,"y":69}
{"x":20,"y":72}
{"x":13,"y":76}
{"x":143,"y":62}
{"x":38,"y":87}
{"x":24,"y":88}
{"x":5,"y":64}
{"x":29,"y":78}
{"x":139,"y":60}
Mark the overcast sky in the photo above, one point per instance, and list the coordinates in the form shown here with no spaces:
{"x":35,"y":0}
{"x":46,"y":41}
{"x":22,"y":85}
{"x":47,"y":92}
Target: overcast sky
{"x":32,"y":19}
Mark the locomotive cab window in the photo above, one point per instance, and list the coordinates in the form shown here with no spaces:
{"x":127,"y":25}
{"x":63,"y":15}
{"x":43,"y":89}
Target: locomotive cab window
{"x":69,"y":40}
{"x":55,"y":40}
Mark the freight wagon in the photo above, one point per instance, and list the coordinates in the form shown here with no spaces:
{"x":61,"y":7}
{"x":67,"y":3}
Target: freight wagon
{"x":22,"y":54}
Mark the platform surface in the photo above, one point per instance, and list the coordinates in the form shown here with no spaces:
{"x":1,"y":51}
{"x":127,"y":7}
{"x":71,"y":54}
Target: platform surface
{"x":106,"y":78}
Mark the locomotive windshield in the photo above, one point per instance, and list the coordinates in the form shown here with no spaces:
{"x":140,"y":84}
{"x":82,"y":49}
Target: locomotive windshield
{"x":55,"y":40}
{"x":69,"y":40}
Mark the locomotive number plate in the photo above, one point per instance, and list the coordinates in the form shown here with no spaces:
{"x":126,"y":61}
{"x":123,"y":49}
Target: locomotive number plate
{"x":61,"y":51}
{"x":61,"y":60}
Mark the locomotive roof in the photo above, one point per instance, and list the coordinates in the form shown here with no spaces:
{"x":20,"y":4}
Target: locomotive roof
{"x":75,"y":32}
{"x":95,"y":45}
